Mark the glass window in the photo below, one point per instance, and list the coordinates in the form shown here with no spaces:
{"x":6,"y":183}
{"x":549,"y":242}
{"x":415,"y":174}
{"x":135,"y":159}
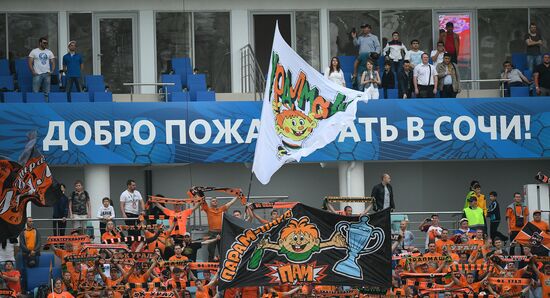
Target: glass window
{"x":80,"y":30}
{"x":3,"y":36}
{"x":541,"y":17}
{"x":307,"y":37}
{"x":173,"y":34}
{"x":25,"y":29}
{"x":500,"y":33}
{"x":411,"y":24}
{"x":213,"y":50}
{"x":341,"y":25}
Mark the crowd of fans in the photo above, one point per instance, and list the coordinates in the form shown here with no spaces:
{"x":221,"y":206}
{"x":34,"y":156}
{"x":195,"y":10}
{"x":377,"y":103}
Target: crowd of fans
{"x":424,"y":75}
{"x":463,"y":258}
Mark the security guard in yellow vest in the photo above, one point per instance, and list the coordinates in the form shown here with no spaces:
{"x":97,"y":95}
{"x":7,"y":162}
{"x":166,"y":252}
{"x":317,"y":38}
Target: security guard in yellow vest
{"x":475,"y":215}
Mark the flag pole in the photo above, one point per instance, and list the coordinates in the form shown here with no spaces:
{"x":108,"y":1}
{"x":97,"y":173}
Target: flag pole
{"x":51,"y":276}
{"x":250,"y":184}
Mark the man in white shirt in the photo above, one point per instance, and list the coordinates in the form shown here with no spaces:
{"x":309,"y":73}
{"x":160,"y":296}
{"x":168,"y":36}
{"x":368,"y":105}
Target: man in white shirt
{"x":437,"y":54}
{"x":41,"y":64}
{"x":130,"y":200}
{"x":425,"y":79}
{"x":414,"y":55}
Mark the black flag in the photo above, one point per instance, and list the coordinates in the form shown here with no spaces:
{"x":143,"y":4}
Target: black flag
{"x":308,"y":245}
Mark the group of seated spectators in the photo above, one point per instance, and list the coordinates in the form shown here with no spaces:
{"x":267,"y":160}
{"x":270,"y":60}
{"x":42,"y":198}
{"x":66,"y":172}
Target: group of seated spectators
{"x":470,"y":259}
{"x":424,"y":75}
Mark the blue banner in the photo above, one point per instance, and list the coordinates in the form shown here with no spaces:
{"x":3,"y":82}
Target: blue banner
{"x":210,"y":132}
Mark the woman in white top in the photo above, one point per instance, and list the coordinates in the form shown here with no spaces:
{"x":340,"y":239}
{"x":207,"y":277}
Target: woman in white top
{"x":335,"y":73}
{"x":370,"y":80}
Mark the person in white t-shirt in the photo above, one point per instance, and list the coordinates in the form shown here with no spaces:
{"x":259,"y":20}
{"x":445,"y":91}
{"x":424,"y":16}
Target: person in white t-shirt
{"x":105,"y":213}
{"x":414,"y":55}
{"x":437,"y":54}
{"x":41,"y":64}
{"x":335,"y":73}
{"x":130,"y":201}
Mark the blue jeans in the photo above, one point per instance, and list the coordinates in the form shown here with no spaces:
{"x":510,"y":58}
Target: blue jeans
{"x":41,"y":82}
{"x":533,"y":61}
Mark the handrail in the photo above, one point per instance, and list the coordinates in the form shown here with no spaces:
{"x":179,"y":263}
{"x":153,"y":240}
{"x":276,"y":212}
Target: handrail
{"x":500,"y":81}
{"x":134,"y":84}
{"x":251,"y":73}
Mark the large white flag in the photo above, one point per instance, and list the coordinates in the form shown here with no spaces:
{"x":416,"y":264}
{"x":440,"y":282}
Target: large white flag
{"x":302,"y":111}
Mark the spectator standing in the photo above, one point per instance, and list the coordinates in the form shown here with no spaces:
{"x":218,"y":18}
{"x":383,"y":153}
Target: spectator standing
{"x":368,"y":43}
{"x":533,"y":42}
{"x":474,"y":214}
{"x":58,"y":291}
{"x":395,"y":51}
{"x":388,"y":78}
{"x":12,"y":277}
{"x":405,"y":81}
{"x":370,"y":79}
{"x":72,"y":66}
{"x":449,"y":77}
{"x":493,"y":213}
{"x":517,"y":216}
{"x":414,"y":55}
{"x":425,"y":79}
{"x":335,"y":73}
{"x":214,"y":215}
{"x":79,"y":206}
{"x":541,"y":76}
{"x":437,"y":53}
{"x":41,"y":64}
{"x":60,"y":211}
{"x":30,"y":244}
{"x":476,"y":192}
{"x":130,"y":201}
{"x":432,"y":228}
{"x":538,"y":222}
{"x":383,"y":194}
{"x":443,"y":243}
{"x":105,"y":213}
{"x":179,"y":216}
{"x":464,"y":233}
{"x":406,"y":235}
{"x":515,"y":77}
{"x":7,"y":250}
{"x":452,"y":42}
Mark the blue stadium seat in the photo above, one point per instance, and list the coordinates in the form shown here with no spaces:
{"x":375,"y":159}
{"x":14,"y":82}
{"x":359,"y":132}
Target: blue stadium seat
{"x":94,"y":83}
{"x":176,"y":79}
{"x":346,"y":63}
{"x":80,"y":97}
{"x":178,"y":96}
{"x":13,"y":97}
{"x":6,"y":82}
{"x":347,"y":78}
{"x":528,"y":74}
{"x":519,"y":60}
{"x":103,"y":97}
{"x":381,"y":93}
{"x":519,"y":91}
{"x":206,"y":96}
{"x":22,"y":67}
{"x":182,"y":67}
{"x":4,"y":67}
{"x":392,"y":94}
{"x":196,"y":82}
{"x":37,"y":97}
{"x":57,"y":97}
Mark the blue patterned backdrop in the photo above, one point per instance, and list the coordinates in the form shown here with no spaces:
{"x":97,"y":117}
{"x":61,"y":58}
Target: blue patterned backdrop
{"x":530,"y":118}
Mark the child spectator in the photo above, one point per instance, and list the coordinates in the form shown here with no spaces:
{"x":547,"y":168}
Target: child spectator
{"x":105,"y":213}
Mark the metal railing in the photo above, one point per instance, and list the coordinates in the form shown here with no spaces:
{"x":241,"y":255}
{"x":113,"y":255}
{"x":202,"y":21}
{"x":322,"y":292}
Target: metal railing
{"x":474,"y":85}
{"x":447,"y":219}
{"x":163,"y":85}
{"x":252,"y":76}
{"x":197,"y":222}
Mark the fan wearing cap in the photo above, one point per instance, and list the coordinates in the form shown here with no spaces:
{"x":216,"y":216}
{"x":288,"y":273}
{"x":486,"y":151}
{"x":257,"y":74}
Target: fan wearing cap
{"x":538,"y":222}
{"x":474,"y":214}
{"x":368,"y":43}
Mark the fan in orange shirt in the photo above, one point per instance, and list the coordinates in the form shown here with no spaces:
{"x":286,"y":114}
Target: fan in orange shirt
{"x":539,"y":223}
{"x":12,"y":277}
{"x":58,"y":290}
{"x":110,"y":232}
{"x":443,"y":242}
{"x":544,"y":278}
{"x":178,"y":256}
{"x":202,"y":290}
{"x":274,"y":294}
{"x":179,"y":216}
{"x":139,"y":275}
{"x":214,"y":215}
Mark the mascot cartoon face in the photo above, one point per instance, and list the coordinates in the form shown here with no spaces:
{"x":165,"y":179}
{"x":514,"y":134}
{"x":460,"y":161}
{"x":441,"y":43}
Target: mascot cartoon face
{"x":299,"y":240}
{"x":295,"y":125}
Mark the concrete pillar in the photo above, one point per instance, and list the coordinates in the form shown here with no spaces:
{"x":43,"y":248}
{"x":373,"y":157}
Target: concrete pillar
{"x":351,"y":178}
{"x":62,"y":37}
{"x":324,"y":38}
{"x":147,"y":51}
{"x":239,"y":38}
{"x":97,"y":184}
